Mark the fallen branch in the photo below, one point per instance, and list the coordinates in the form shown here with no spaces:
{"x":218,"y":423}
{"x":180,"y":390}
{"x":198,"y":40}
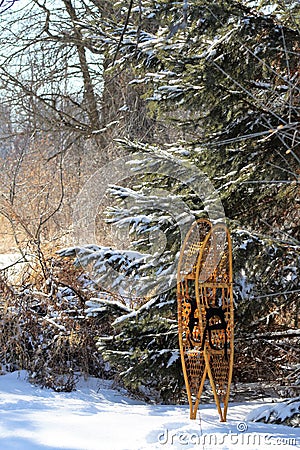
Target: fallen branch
{"x":287,"y":334}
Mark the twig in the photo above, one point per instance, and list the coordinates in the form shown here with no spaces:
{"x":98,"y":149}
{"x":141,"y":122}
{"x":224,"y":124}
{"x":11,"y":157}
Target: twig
{"x":19,"y":261}
{"x":123,"y":31}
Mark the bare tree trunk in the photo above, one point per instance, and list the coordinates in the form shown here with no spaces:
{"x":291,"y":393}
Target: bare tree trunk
{"x":90,"y":96}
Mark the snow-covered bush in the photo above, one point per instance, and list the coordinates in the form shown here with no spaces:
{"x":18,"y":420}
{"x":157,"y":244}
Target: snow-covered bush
{"x":285,"y":413}
{"x":47,"y":333}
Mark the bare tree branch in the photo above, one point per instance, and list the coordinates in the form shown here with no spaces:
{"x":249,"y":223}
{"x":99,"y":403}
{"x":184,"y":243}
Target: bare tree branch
{"x":6,"y":4}
{"x":123,"y":31}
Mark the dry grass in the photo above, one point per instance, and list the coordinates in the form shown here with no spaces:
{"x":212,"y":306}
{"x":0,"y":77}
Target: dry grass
{"x":46,"y":332}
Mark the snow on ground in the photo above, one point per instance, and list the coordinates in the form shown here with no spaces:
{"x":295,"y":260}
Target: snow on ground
{"x":98,"y":417}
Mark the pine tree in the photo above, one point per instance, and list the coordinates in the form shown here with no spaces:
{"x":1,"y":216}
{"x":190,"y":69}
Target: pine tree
{"x":224,"y":77}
